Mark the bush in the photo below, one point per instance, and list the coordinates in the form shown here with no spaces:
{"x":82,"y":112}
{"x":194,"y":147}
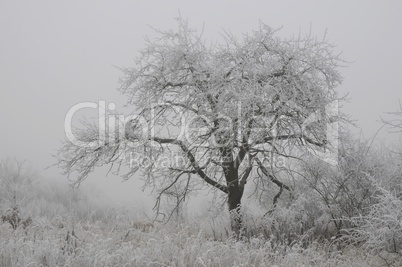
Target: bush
{"x":381,"y":228}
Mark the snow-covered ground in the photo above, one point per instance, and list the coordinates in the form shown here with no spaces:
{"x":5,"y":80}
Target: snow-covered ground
{"x":65,"y":241}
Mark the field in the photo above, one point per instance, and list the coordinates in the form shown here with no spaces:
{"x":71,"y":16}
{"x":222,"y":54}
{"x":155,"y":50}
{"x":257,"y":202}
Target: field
{"x":118,"y":241}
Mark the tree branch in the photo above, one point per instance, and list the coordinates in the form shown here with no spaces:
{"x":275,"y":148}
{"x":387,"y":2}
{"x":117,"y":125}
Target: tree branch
{"x":290,"y":136}
{"x":193,"y":161}
{"x":271,"y":177}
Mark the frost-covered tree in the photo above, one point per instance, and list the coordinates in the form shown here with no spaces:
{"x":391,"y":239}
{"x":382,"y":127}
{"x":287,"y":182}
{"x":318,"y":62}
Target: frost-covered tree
{"x":16,"y":180}
{"x":216,"y":112}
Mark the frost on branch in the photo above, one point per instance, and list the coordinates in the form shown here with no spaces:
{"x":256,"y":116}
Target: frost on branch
{"x":224,"y":108}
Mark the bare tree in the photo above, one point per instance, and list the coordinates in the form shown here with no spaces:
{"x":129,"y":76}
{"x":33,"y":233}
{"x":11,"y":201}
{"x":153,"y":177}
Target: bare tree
{"x":215,"y":113}
{"x":394,"y":120}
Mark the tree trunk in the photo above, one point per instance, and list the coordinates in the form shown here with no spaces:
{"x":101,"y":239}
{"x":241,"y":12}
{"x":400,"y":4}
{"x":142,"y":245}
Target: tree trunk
{"x":234,"y":201}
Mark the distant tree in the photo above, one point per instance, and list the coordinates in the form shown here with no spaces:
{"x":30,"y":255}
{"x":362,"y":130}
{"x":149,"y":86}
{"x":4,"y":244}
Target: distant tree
{"x":223,"y":108}
{"x":15,"y":182}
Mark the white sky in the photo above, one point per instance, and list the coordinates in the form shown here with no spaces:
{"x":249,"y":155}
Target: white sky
{"x":55,"y":54}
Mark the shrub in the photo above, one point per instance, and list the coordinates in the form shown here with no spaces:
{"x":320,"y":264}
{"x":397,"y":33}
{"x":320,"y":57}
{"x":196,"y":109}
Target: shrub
{"x":381,"y":228}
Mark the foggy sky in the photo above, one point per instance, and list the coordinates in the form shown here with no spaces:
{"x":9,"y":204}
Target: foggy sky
{"x":55,"y":54}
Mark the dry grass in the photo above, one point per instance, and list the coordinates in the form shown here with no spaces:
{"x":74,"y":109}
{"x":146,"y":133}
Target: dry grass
{"x":45,"y":243}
